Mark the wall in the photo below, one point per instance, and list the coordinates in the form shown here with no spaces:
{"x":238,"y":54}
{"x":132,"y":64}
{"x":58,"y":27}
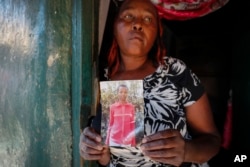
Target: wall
{"x":35,"y":79}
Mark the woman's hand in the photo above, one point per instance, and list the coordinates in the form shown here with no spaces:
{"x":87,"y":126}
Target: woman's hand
{"x":166,"y":146}
{"x":91,"y":147}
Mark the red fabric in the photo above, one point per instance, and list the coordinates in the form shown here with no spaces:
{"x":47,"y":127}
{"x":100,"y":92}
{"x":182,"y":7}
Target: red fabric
{"x":121,"y":128}
{"x":187,"y":9}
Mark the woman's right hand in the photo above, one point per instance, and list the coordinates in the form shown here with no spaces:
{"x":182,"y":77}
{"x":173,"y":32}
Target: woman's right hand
{"x":91,"y":147}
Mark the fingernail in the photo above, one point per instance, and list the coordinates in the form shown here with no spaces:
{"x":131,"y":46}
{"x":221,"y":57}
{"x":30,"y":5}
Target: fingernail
{"x":100,"y":148}
{"x":144,"y":140}
{"x":142,"y":147}
{"x":98,"y":139}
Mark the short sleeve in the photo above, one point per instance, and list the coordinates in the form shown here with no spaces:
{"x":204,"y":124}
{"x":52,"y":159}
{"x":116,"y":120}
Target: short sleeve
{"x":192,"y":89}
{"x":187,"y":82}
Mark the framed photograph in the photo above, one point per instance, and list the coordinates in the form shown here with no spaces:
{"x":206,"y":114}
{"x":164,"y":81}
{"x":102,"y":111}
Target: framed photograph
{"x":122,"y":123}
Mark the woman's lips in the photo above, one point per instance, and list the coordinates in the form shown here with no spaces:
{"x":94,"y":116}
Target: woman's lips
{"x":136,"y":36}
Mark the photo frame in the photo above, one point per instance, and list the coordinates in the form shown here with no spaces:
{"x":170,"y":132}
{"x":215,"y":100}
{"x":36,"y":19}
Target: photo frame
{"x":122,"y":123}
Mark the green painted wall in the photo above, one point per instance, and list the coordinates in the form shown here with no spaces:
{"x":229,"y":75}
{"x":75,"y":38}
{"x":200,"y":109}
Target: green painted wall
{"x":35,"y":83}
{"x":48,"y":52}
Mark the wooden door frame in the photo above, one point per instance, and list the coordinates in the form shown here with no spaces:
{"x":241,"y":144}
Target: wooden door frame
{"x":84,"y":67}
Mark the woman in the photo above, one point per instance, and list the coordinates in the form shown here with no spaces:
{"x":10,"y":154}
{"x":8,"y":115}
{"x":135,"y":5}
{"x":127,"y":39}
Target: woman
{"x":121,"y":129}
{"x":179,"y":127}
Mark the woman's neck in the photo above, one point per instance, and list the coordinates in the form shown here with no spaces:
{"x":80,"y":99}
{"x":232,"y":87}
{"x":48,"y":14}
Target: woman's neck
{"x":133,"y":64}
{"x":134,"y":68}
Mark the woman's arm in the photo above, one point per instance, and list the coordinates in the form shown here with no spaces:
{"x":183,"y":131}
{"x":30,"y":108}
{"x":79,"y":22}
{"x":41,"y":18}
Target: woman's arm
{"x":206,"y":139}
{"x":170,"y":147}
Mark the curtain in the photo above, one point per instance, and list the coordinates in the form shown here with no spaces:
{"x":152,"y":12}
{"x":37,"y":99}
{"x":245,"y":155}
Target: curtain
{"x":185,"y":9}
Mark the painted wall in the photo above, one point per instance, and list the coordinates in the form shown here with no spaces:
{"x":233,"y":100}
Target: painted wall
{"x":35,"y":80}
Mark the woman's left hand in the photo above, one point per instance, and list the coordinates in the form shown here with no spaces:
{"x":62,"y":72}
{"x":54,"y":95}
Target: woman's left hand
{"x":166,"y":146}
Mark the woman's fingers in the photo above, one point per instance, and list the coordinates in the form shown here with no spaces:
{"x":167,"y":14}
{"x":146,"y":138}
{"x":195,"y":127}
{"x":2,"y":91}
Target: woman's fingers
{"x":90,"y":145}
{"x":166,"y":146}
{"x":90,"y":133}
{"x":162,"y":140}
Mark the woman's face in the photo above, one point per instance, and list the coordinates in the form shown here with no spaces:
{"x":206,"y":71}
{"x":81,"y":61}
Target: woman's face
{"x":135,"y":28}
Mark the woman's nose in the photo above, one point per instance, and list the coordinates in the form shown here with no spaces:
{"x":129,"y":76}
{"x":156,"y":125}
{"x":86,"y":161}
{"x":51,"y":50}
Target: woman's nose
{"x":137,"y":25}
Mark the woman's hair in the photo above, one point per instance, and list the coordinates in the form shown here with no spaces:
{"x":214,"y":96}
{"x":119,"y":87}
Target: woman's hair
{"x":156,"y":54}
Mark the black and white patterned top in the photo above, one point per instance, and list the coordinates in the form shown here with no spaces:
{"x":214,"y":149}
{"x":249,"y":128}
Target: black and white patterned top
{"x":167,"y":92}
